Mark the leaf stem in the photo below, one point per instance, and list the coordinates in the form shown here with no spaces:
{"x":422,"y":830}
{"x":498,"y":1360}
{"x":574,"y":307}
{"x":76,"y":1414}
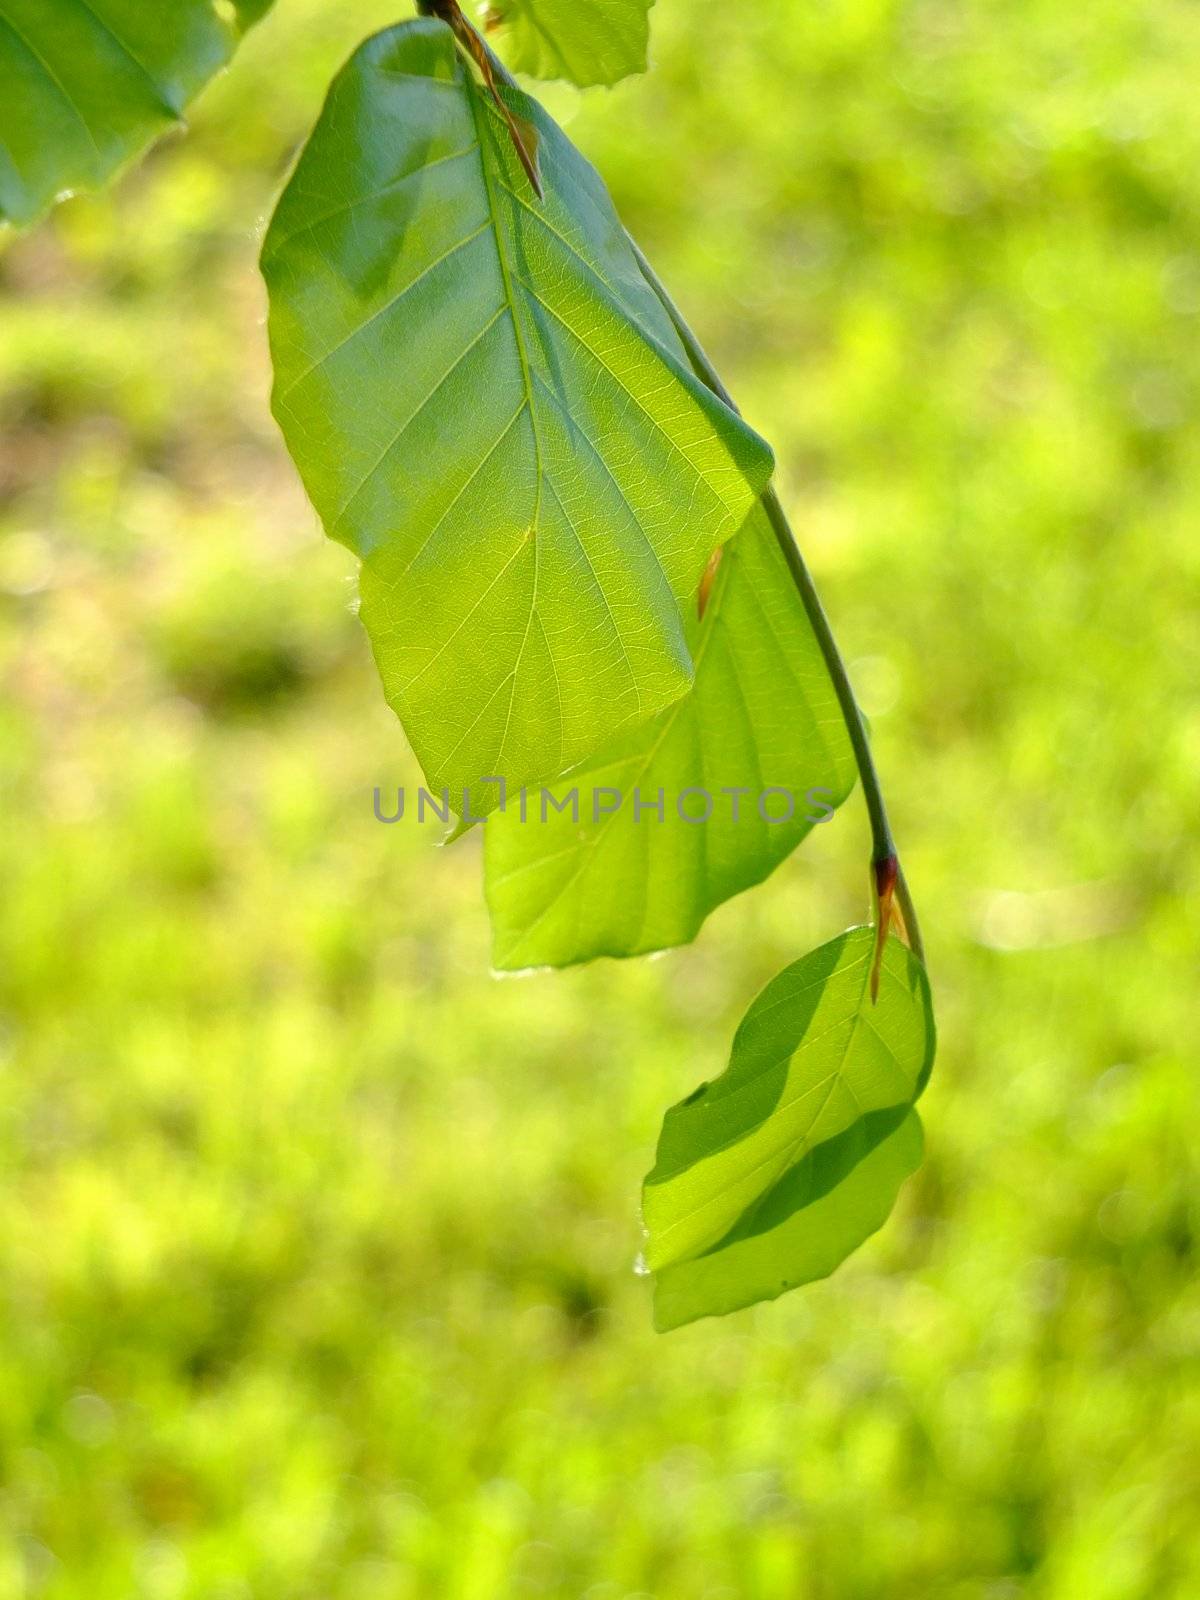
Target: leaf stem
{"x":491,"y":70}
{"x":883,"y":845}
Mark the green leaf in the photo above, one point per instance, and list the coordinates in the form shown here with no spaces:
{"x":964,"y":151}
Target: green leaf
{"x":833,"y":1200}
{"x":771,"y":1175}
{"x":587,"y":41}
{"x":85,"y":85}
{"x":489,"y":405}
{"x":762,"y":716}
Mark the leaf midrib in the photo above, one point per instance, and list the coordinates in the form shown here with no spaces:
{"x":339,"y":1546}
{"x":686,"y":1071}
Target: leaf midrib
{"x":160,"y":97}
{"x":507,"y":276}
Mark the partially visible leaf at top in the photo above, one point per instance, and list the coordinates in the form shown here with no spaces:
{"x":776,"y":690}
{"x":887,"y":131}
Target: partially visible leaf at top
{"x":85,"y":85}
{"x":586,"y":41}
{"x":490,"y":406}
{"x":759,"y":745}
{"x":772,"y":1174}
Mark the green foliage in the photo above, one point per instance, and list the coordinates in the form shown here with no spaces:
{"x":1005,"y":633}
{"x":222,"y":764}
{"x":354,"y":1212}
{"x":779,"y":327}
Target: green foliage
{"x":493,"y":405}
{"x":87,"y":84}
{"x":771,"y":1175}
{"x":495,"y":408}
{"x":803,"y":1228}
{"x":584,"y":41}
{"x":458,"y":371}
{"x":257,"y":1325}
{"x":565,"y":885}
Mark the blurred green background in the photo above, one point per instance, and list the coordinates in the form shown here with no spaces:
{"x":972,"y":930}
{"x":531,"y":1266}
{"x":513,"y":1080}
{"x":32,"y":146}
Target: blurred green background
{"x":316,"y":1240}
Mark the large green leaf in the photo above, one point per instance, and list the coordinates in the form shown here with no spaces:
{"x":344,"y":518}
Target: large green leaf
{"x":586,"y":41}
{"x":490,"y":406}
{"x":566,"y":885}
{"x":770,"y":1176}
{"x":87,"y":84}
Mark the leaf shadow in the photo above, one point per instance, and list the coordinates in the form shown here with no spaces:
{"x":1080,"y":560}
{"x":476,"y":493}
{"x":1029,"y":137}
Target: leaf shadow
{"x":819,"y":1172}
{"x":723,"y":1112}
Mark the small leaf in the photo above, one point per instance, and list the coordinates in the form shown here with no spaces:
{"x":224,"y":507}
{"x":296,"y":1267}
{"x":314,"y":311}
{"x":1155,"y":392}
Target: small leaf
{"x":85,"y":85}
{"x":771,"y":1175}
{"x":839,"y":1195}
{"x":586,"y":41}
{"x":762,"y":716}
{"x":490,"y":406}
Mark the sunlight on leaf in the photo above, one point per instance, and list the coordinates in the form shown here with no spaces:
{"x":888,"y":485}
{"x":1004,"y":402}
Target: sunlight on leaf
{"x":771,"y":1175}
{"x":762,"y":717}
{"x":488,"y":404}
